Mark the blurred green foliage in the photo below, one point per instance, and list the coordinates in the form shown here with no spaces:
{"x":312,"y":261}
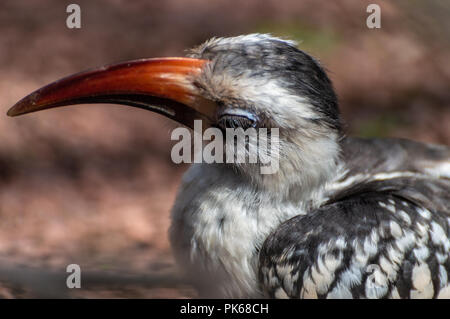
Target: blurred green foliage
{"x":382,"y":125}
{"x":320,"y":41}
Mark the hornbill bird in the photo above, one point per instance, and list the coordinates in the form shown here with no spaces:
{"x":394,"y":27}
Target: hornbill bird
{"x":341,"y":218}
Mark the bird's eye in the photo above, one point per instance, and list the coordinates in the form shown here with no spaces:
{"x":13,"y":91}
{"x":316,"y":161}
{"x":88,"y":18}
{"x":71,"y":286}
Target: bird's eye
{"x":234,"y":121}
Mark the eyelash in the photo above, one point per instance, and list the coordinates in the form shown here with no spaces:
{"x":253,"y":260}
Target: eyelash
{"x":236,"y":121}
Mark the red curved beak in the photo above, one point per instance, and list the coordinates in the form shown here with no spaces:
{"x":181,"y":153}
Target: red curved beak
{"x":162,"y":85}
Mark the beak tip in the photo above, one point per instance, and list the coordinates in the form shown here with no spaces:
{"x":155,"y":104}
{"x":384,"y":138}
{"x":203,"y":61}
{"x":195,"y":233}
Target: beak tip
{"x":15,"y":110}
{"x":11,"y":112}
{"x":24,"y":106}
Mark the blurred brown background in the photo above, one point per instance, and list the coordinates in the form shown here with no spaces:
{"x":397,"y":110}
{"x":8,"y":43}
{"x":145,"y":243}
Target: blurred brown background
{"x":93,"y":185}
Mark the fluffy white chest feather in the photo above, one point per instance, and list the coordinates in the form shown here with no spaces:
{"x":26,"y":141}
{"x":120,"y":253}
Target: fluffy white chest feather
{"x":218,"y":226}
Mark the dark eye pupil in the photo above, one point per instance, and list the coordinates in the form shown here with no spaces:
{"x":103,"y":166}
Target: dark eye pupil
{"x":235,"y":121}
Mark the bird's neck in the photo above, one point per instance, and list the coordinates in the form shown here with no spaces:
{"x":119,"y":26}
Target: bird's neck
{"x":305,"y":169}
{"x":222,"y":215}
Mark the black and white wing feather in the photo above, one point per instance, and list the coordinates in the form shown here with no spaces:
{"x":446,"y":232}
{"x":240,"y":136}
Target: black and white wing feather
{"x":385,"y":234}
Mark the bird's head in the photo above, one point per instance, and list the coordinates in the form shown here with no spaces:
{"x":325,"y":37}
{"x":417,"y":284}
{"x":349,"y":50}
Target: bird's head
{"x":251,"y":81}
